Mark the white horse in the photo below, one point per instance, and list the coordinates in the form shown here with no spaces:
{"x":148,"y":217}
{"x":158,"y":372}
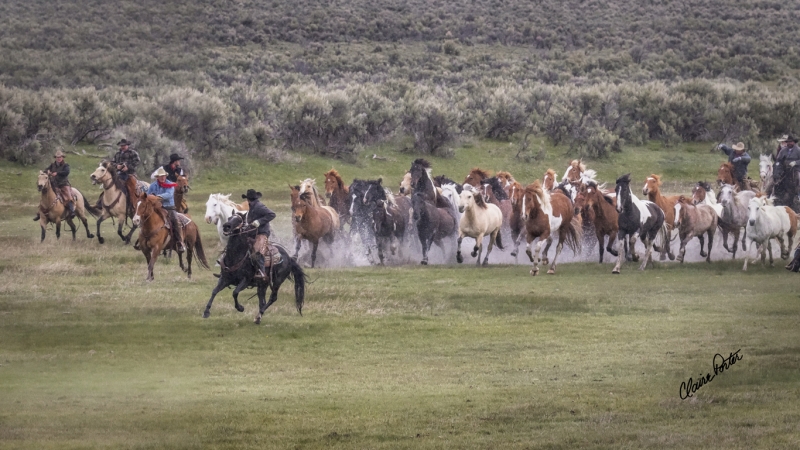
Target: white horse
{"x":765,"y":173}
{"x":450,"y":192}
{"x":766,"y":221}
{"x":220,"y":208}
{"x":734,"y":215}
{"x":479,"y":219}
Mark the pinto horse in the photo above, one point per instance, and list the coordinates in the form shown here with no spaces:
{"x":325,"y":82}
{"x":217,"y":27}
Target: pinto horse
{"x":599,"y":208}
{"x":734,"y":215}
{"x":637,"y":218}
{"x":312,"y":223}
{"x":652,"y":189}
{"x":479,"y":219}
{"x":766,"y":221}
{"x":691,"y":221}
{"x":239,"y":270}
{"x":545,"y":216}
{"x":52,"y":209}
{"x":220,"y":208}
{"x":155,"y":236}
{"x":338,"y":196}
{"x":702,"y":194}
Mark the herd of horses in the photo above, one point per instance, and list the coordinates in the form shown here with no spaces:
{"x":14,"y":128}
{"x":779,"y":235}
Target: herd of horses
{"x":430,"y":210}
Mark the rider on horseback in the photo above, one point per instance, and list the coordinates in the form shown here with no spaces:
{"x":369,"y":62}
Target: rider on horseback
{"x":126,"y":161}
{"x":787,"y":160}
{"x":259,"y":216}
{"x":59,"y":173}
{"x":739,"y":159}
{"x":166,"y":192}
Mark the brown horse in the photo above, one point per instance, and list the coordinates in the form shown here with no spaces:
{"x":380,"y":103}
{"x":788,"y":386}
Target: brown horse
{"x":475,"y":176}
{"x":52,"y":209}
{"x":652,"y":189}
{"x":691,"y":221}
{"x":549,"y":180}
{"x":725,"y":174}
{"x":154,"y":235}
{"x":574,"y":171}
{"x":180,"y":194}
{"x":311,"y":223}
{"x":515,"y":192}
{"x":544,"y":217}
{"x":338,"y":195}
{"x":601,"y":210}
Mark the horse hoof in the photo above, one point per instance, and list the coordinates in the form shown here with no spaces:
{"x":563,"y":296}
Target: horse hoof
{"x":240,"y":308}
{"x":206,"y":314}
{"x":424,"y":263}
{"x":257,"y":321}
{"x":661,"y":258}
{"x":615,"y":272}
{"x":671,"y":257}
{"x":459,"y":258}
{"x":101,"y":239}
{"x":551,"y":272}
{"x":534,"y":272}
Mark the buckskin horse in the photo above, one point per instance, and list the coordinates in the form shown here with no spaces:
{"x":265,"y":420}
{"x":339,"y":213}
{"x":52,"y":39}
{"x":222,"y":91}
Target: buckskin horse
{"x":238,"y":270}
{"x":52,"y":209}
{"x":115,"y":203}
{"x":637,"y":218}
{"x":154,"y":235}
{"x":691,"y":221}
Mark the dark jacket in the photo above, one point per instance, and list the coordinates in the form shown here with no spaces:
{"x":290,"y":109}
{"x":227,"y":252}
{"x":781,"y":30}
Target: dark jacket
{"x":259,"y":211}
{"x":130,"y":158}
{"x":172,"y":174}
{"x":62,"y":171}
{"x":788,"y":154}
{"x":740,"y":166}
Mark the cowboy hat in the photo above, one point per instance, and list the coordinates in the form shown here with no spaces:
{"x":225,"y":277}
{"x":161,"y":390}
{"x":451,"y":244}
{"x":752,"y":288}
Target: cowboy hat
{"x":123,"y":141}
{"x":738,"y":147}
{"x":252,"y":195}
{"x":174,"y":157}
{"x":783,"y":138}
{"x":59,"y":153}
{"x":791,"y":138}
{"x":160,"y":172}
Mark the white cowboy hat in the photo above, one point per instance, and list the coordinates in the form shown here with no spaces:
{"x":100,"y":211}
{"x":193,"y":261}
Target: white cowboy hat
{"x":738,"y":147}
{"x":160,"y":172}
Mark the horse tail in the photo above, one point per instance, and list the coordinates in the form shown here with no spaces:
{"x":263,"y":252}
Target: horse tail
{"x":198,"y":249}
{"x":299,"y":283}
{"x":90,"y":208}
{"x":498,"y":242}
{"x":574,"y":235}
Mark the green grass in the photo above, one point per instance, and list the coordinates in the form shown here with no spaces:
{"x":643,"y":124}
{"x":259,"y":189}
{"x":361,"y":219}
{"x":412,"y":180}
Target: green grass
{"x":92,"y":356}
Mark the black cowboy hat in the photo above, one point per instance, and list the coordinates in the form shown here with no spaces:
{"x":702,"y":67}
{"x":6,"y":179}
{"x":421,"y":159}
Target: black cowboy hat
{"x":174,"y":157}
{"x":252,"y":195}
{"x":791,"y":138}
{"x":123,"y":142}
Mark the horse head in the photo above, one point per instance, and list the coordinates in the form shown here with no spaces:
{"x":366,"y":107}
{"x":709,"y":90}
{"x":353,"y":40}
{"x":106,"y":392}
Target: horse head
{"x":374,"y":193}
{"x":549,"y":180}
{"x":101,"y":173}
{"x":476,"y":176}
{"x":233,"y":225}
{"x":43,"y":182}
{"x":725,"y":174}
{"x":421,"y":179}
{"x":756,"y":205}
{"x":623,"y":191}
{"x":183,"y":184}
{"x":405,"y":184}
{"x":651,"y":185}
{"x":532,"y":198}
{"x":333,"y":182}
{"x":574,"y":171}
{"x":699,"y":193}
{"x":680,"y":210}
{"x":146,"y":205}
{"x":765,"y":163}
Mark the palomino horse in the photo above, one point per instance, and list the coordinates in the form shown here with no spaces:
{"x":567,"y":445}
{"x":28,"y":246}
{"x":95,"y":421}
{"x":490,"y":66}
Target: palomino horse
{"x":155,"y":237}
{"x":479,"y":219}
{"x":238,"y":270}
{"x":338,"y":195}
{"x":702,"y":194}
{"x":220,"y":208}
{"x":766,"y":221}
{"x":637,"y":218}
{"x":180,"y":194}
{"x":115,"y":203}
{"x":691,"y":221}
{"x":311,"y":223}
{"x":52,"y":209}
{"x":493,"y":192}
{"x":544,"y":217}
{"x":734,"y":215}
{"x":599,"y":209}
{"x":652,"y":189}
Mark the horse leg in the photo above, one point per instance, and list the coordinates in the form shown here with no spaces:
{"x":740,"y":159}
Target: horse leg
{"x":43,"y":225}
{"x":298,"y":242}
{"x":632,"y":244}
{"x":58,"y":229}
{"x":152,"y":262}
{"x":648,"y":252}
{"x":314,"y":253}
{"x":784,"y":246}
{"x":745,"y":259}
{"x":127,"y":238}
{"x":272,"y":297}
{"x":620,"y":251}
{"x":725,"y":240}
{"x":682,"y":251}
{"x":262,"y":302}
{"x":492,"y":238}
{"x":560,"y":246}
{"x":744,"y":240}
{"x":459,"y":258}
{"x":600,"y":241}
{"x":702,"y":245}
{"x":100,"y":238}
{"x":189,"y":254}
{"x":710,"y":243}
{"x":239,"y":288}
{"x":85,"y":222}
{"x":72,"y":228}
{"x":536,"y":256}
{"x":220,"y":286}
{"x":545,"y":259}
{"x":612,"y":237}
{"x":426,"y":245}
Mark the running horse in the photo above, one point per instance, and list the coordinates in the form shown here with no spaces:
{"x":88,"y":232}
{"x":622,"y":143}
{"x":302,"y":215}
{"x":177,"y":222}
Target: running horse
{"x":765,"y":164}
{"x":600,"y":209}
{"x":312,"y":223}
{"x":637,"y":219}
{"x":389,"y":217}
{"x":480,"y":219}
{"x":154,"y":235}
{"x":115,"y":203}
{"x":766,"y":221}
{"x":52,"y":209}
{"x":549,"y":180}
{"x":652,"y":189}
{"x":734,"y":215}
{"x":434,"y":216}
{"x":239,"y":270}
{"x":691,"y":221}
{"x":338,"y":196}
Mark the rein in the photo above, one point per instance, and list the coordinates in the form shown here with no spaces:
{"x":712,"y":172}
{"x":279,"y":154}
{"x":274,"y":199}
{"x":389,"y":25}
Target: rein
{"x":47,"y":210}
{"x":147,"y":236}
{"x":105,"y":188}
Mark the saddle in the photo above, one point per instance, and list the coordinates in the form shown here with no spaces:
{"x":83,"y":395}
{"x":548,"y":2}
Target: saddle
{"x":273,"y":256}
{"x":183,"y":220}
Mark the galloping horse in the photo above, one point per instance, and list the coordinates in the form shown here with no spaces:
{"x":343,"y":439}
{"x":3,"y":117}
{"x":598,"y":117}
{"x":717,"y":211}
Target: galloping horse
{"x":637,"y":218}
{"x":702,"y":194}
{"x":220,"y":208}
{"x":604,"y":216}
{"x":115,"y":203}
{"x":766,"y":221}
{"x":475,"y":176}
{"x":652,"y":189}
{"x":361,"y":217}
{"x":238,"y":270}
{"x":311,"y":223}
{"x":52,"y":209}
{"x":338,"y":195}
{"x":154,"y":235}
{"x":389,"y":217}
{"x":479,"y":219}
{"x":180,"y":194}
{"x":691,"y":221}
{"x":734,"y":215}
{"x":545,"y":216}
{"x":433,"y":224}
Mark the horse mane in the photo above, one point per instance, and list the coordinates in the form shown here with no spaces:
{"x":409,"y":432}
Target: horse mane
{"x":705,"y":185}
{"x":480,"y":172}
{"x":506,"y":175}
{"x":421,"y":162}
{"x":550,"y":172}
{"x":497,"y":188}
{"x":579,"y":164}
{"x":657,"y":178}
{"x":478,"y":199}
{"x":337,"y":177}
{"x":624,"y":179}
{"x":535,"y":188}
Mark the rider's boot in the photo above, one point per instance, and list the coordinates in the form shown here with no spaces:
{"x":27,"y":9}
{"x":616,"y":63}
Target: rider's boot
{"x":38,"y":216}
{"x":71,"y":206}
{"x":261,"y":273}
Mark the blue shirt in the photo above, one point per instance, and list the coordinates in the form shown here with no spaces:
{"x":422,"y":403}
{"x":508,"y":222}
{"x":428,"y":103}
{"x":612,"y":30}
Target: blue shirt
{"x":167,"y":194}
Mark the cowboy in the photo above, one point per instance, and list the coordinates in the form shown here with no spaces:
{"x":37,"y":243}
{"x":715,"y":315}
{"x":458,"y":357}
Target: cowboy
{"x":259,"y":216}
{"x":787,"y":159}
{"x":173,"y":168}
{"x":165,"y":191}
{"x":59,"y":173}
{"x":740,"y":160}
{"x":127,"y":161}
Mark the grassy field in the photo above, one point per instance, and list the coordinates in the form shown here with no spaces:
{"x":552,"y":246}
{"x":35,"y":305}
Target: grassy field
{"x":446,"y":356}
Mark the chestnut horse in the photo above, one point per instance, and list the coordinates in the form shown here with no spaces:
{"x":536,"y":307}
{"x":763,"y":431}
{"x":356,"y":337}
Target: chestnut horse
{"x":180,"y":194}
{"x":691,"y":221}
{"x":52,"y":209}
{"x":652,"y":189}
{"x":725,"y":174}
{"x":475,"y":176}
{"x":545,"y":216}
{"x":338,"y":195}
{"x":311,"y":223}
{"x":154,"y":235}
{"x":599,"y":209}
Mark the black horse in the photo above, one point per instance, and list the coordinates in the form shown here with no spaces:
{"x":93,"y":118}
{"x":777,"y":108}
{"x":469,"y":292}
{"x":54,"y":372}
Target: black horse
{"x":441,"y":180}
{"x":361,"y":213}
{"x":633,"y":222}
{"x":388,"y":217}
{"x":786,"y":189}
{"x":238,"y":270}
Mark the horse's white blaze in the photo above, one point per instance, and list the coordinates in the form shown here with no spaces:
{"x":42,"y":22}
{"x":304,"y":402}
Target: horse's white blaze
{"x":352,"y":204}
{"x":677,"y":214}
{"x":136,"y":219}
